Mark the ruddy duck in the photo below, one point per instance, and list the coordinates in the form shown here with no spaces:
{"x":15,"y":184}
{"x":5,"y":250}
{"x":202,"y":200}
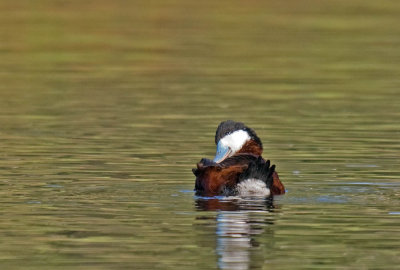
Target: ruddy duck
{"x":238,"y":168}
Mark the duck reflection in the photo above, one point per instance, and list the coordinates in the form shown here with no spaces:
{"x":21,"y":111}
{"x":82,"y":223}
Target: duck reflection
{"x":238,"y":223}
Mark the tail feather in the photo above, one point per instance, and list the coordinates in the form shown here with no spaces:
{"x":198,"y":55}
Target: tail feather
{"x":260,"y":170}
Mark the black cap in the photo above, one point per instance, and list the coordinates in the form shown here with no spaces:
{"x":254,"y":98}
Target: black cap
{"x":229,"y":126}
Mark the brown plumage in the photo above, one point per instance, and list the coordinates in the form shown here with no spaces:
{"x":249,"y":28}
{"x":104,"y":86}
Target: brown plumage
{"x":222,"y":178}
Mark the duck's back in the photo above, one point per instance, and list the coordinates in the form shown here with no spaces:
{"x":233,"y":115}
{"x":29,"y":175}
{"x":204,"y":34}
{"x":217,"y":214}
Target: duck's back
{"x":230,"y":176}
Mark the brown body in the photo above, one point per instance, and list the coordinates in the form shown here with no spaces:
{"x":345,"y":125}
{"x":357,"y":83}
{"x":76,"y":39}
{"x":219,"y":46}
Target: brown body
{"x":212,"y":178}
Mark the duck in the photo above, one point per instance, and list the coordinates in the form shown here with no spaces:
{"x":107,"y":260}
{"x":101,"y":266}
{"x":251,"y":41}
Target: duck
{"x":238,"y":168}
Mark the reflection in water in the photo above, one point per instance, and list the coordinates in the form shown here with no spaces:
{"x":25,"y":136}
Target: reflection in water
{"x":239,"y":221}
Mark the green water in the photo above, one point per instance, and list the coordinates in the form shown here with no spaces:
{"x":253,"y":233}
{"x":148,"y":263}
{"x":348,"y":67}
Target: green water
{"x":105,"y":106}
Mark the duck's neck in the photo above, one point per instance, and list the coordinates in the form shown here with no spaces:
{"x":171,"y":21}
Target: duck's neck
{"x":251,"y":147}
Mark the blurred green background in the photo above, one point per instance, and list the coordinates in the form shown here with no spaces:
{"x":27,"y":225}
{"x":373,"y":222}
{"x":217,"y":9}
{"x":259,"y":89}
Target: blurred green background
{"x":105,"y":106}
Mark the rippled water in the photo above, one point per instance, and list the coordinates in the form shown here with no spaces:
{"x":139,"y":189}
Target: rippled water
{"x":106,"y":106}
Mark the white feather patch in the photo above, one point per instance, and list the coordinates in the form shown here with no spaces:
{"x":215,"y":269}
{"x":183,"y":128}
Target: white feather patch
{"x":235,"y":140}
{"x":252,"y":187}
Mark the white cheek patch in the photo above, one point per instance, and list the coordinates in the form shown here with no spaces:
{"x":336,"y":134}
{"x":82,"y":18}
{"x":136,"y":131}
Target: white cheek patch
{"x":235,"y":140}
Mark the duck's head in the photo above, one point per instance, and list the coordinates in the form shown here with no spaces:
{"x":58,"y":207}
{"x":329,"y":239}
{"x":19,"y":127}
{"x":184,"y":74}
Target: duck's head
{"x":235,"y":137}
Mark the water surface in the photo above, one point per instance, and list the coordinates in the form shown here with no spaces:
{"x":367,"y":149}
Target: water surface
{"x":106,"y":106}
